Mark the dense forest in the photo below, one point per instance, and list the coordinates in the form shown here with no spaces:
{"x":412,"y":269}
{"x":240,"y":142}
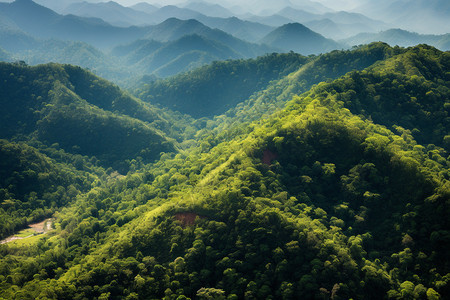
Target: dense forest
{"x":280,"y":177}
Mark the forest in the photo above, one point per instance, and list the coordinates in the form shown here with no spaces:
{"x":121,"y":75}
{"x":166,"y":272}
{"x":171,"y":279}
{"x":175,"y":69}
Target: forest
{"x":278,"y":177}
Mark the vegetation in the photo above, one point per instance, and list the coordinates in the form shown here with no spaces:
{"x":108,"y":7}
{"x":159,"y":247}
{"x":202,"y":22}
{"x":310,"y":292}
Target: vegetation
{"x":331,"y":181}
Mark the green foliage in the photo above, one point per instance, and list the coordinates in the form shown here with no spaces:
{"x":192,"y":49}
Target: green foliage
{"x":331,"y":195}
{"x":213,"y":89}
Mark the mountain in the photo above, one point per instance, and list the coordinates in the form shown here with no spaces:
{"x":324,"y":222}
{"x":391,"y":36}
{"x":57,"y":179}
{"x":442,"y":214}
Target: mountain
{"x":194,"y":93}
{"x":420,"y":16}
{"x":145,"y":7}
{"x":42,"y":22}
{"x":338,"y":31}
{"x":172,"y":11}
{"x":208,"y":9}
{"x":273,"y":20}
{"x":402,"y":38}
{"x":173,"y":29}
{"x":342,"y":192}
{"x":350,"y":23}
{"x":298,"y":38}
{"x":184,"y":54}
{"x":81,"y":112}
{"x":244,"y":30}
{"x":111,"y":12}
{"x":298,"y":15}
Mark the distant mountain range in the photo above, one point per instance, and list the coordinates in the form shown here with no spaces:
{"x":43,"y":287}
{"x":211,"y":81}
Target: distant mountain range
{"x":104,"y":37}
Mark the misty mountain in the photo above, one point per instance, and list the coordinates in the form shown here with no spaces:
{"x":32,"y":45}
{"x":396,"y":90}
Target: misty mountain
{"x":111,"y":12}
{"x":172,"y":11}
{"x":337,"y":31}
{"x":401,"y":38}
{"x":209,"y":9}
{"x":189,"y":51}
{"x":12,"y":38}
{"x":298,"y":15}
{"x":422,"y":16}
{"x":79,"y":54}
{"x":273,"y":20}
{"x":245,"y":30}
{"x":145,"y":7}
{"x":298,"y":38}
{"x":173,"y":29}
{"x":42,"y":22}
{"x":170,"y":58}
{"x":336,"y":25}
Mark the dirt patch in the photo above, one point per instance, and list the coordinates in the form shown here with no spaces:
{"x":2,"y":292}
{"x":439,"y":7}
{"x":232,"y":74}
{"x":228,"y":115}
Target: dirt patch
{"x":186,"y":218}
{"x":268,"y":157}
{"x":38,"y":228}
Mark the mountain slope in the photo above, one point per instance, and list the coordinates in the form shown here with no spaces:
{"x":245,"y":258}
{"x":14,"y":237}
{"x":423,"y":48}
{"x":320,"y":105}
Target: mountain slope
{"x":298,"y":38}
{"x":173,"y":29}
{"x":42,"y":22}
{"x":212,"y":90}
{"x":111,"y":12}
{"x":80,"y":112}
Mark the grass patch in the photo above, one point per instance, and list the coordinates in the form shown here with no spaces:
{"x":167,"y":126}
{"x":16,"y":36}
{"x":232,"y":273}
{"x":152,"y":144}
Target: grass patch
{"x":25,"y":232}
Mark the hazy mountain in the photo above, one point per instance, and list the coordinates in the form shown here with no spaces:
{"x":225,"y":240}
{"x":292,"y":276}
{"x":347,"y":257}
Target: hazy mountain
{"x":298,"y":15}
{"x":245,"y":30}
{"x":273,"y":20}
{"x":172,"y":11}
{"x":347,"y":18}
{"x":401,"y":38}
{"x":77,"y":53}
{"x":110,"y":12}
{"x":298,"y":38}
{"x":337,"y":31}
{"x":208,"y":9}
{"x":145,"y":7}
{"x":12,"y":38}
{"x":45,"y":23}
{"x":422,"y":16}
{"x":212,"y":50}
{"x":173,"y":29}
{"x":137,"y":50}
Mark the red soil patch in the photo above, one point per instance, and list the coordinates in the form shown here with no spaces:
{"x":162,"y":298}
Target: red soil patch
{"x":268,"y":156}
{"x":186,"y":218}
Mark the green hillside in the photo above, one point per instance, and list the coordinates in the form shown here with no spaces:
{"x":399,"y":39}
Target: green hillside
{"x":331,"y":182}
{"x":81,"y":112}
{"x":196,"y":92}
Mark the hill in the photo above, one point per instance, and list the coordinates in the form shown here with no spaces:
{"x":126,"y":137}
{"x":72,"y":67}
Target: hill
{"x":34,"y":186}
{"x":298,"y":38}
{"x":213,"y":89}
{"x":402,"y":38}
{"x":81,"y":112}
{"x":327,"y":197}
